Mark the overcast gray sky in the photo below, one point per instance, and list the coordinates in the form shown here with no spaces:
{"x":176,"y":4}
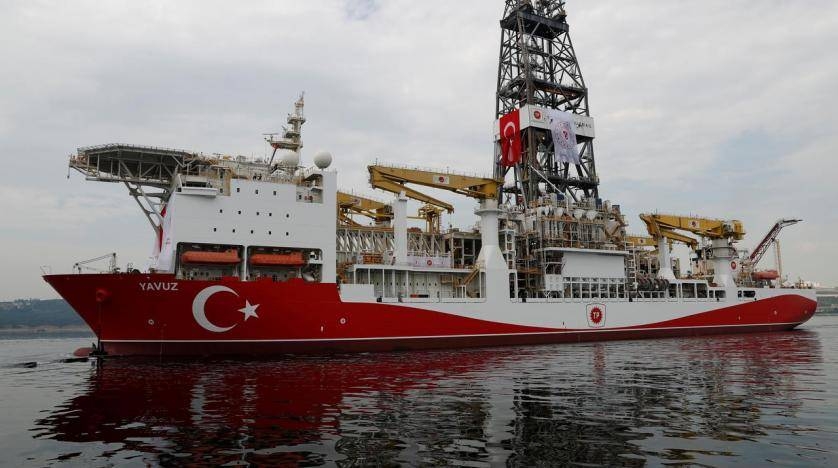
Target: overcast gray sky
{"x":719,"y":108}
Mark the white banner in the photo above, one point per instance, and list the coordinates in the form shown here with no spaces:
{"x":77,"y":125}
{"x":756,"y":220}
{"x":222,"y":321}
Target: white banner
{"x":563,"y":128}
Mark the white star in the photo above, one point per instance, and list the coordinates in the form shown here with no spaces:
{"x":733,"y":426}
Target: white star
{"x":249,"y":310}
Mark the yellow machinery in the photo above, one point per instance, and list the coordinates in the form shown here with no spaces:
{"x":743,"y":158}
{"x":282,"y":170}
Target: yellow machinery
{"x":660,"y":225}
{"x":640,"y":241}
{"x":394,"y":179}
{"x":349,"y":204}
{"x":719,"y":232}
{"x":431,"y":214}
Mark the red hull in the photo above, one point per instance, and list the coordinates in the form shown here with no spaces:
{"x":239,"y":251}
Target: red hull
{"x":150,"y":315}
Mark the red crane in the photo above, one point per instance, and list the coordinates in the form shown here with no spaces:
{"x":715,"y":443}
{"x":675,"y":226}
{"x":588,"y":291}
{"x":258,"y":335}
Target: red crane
{"x":769,"y":239}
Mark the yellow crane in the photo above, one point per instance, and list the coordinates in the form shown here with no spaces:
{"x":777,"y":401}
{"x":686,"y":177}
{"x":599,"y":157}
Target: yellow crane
{"x":719,"y":232}
{"x":661,"y":225}
{"x":350,"y":203}
{"x":637,"y":241}
{"x":394,"y":179}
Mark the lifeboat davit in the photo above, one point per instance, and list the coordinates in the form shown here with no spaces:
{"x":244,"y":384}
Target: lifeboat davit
{"x":765,"y":275}
{"x":228,"y":257}
{"x":294,"y":259}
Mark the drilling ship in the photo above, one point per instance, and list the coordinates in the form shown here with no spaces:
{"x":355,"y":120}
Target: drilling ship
{"x":266,"y":256}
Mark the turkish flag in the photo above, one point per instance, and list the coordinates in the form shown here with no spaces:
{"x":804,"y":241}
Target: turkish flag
{"x":510,"y":138}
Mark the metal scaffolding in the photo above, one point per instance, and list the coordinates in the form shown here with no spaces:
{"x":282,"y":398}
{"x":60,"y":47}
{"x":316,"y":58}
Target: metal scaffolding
{"x":538,"y":66}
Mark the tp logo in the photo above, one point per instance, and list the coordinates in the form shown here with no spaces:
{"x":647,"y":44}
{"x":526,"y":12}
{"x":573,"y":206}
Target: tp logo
{"x":596,"y":315}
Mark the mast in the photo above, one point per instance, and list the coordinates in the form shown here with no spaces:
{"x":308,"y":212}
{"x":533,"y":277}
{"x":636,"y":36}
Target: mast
{"x":538,"y":67}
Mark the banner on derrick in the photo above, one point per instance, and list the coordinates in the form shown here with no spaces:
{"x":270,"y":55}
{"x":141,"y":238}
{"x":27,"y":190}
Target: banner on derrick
{"x":563,"y":128}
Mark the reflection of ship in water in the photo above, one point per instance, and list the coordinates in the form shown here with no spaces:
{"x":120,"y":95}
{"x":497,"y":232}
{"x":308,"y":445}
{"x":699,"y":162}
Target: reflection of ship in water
{"x":589,"y":403}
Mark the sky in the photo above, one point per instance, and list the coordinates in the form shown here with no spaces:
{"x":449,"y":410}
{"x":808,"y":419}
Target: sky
{"x":724,"y":109}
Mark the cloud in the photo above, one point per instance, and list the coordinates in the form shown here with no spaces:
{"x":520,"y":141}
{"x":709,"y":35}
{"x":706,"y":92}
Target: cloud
{"x":360,"y":9}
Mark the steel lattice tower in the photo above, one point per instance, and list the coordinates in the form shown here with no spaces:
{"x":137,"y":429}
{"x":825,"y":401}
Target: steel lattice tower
{"x":538,"y":66}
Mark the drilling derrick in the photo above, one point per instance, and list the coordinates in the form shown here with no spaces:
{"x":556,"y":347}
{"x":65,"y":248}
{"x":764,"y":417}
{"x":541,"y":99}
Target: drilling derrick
{"x":538,"y":72}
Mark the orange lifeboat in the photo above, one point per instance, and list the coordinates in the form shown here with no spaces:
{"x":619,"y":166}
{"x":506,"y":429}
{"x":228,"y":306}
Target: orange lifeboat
{"x":765,"y":275}
{"x":228,"y":257}
{"x":294,"y":259}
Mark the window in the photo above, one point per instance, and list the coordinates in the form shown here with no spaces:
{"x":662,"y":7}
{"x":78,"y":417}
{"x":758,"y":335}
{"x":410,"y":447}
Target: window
{"x":287,"y":215}
{"x":287,"y":234}
{"x":251,"y":231}
{"x":221,"y":211}
{"x":238,"y":189}
{"x":257,"y":191}
{"x":269,"y":233}
{"x":234,"y":231}
{"x":274,"y":192}
{"x":270,"y":214}
{"x":214,"y":229}
{"x":257,"y":213}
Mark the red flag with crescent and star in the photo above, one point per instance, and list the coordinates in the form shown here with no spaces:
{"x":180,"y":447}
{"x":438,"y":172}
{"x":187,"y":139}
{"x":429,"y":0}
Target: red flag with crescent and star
{"x":510,"y":138}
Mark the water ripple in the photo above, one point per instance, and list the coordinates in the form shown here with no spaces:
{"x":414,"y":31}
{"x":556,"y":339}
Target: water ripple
{"x":745,"y":399}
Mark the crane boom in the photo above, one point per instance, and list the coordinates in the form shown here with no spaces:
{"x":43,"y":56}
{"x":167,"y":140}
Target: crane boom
{"x":770,"y":238}
{"x":704,"y":227}
{"x":352,"y":203}
{"x":393,"y":179}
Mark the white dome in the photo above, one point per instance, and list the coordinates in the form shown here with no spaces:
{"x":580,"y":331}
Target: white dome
{"x":323,"y":159}
{"x":289,"y":158}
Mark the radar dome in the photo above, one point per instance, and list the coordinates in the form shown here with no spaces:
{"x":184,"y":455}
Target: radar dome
{"x":323,"y":159}
{"x":289,"y":158}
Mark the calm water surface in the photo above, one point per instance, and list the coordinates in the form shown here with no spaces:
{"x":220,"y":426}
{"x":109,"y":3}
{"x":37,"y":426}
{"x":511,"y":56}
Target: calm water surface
{"x":748,"y":400}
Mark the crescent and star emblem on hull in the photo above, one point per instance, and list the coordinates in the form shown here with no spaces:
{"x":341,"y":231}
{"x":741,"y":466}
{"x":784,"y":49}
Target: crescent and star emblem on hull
{"x":200,"y":302}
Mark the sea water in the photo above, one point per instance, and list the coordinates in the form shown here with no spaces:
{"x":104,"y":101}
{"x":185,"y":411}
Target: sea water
{"x":747,"y":400}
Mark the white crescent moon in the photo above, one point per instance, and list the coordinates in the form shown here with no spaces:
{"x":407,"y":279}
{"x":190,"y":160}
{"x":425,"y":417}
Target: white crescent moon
{"x":198,"y":308}
{"x":506,"y":127}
